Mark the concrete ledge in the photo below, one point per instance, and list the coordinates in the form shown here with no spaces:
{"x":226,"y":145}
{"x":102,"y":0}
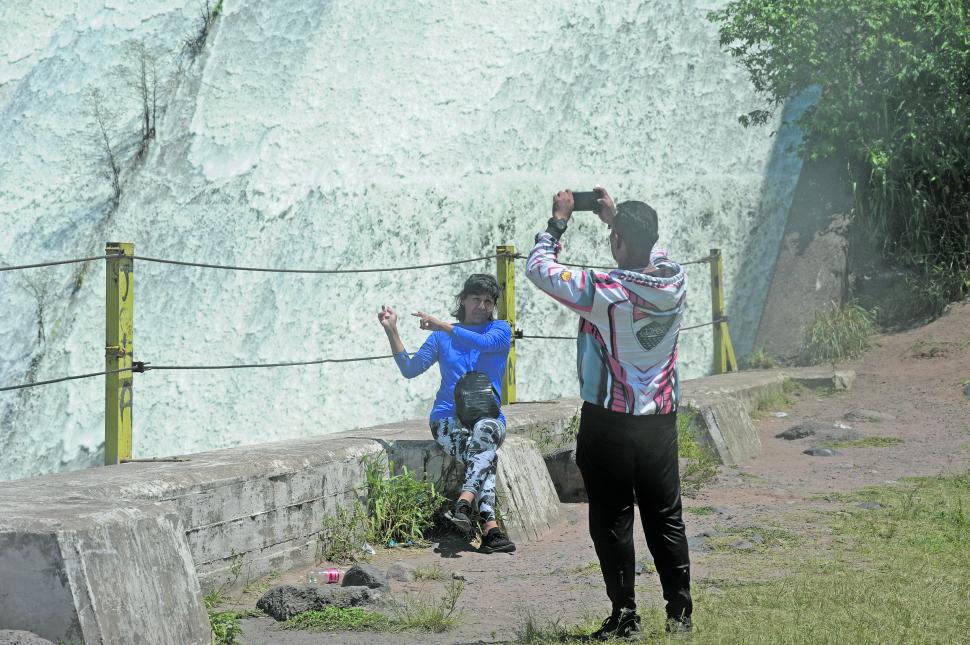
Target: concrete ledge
{"x":724,"y":404}
{"x":94,"y":572}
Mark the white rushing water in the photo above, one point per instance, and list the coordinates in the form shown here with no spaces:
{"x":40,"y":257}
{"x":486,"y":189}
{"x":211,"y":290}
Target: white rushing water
{"x":345,"y":134}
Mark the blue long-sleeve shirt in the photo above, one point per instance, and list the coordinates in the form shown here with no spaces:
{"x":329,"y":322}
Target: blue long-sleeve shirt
{"x":468,"y":347}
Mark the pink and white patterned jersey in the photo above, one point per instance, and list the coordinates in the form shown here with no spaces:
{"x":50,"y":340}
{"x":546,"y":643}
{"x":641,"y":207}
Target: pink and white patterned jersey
{"x":628,"y":330}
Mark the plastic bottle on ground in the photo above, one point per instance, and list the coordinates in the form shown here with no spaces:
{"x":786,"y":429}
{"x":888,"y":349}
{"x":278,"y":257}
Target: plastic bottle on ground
{"x":325,"y":576}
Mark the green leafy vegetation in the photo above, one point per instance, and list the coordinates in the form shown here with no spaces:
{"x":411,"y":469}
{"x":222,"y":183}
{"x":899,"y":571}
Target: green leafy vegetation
{"x":226,"y":629}
{"x":865,"y":442}
{"x":773,"y":399}
{"x":759,"y":359}
{"x":863,"y":579}
{"x":332,"y":618}
{"x":701,"y":466}
{"x":837,"y":333}
{"x":400,"y":507}
{"x":344,"y":533}
{"x":894,"y":102}
{"x":408,"y":614}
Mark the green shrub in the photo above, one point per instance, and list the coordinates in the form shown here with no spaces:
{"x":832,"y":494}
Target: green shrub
{"x":344,"y":534}
{"x":701,"y":466}
{"x":759,"y":359}
{"x":399,"y":507}
{"x":891,"y":81}
{"x":837,"y":333}
{"x":226,"y":629}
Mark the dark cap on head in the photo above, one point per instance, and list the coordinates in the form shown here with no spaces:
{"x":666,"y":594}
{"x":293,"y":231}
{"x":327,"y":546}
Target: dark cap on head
{"x":636,"y":224}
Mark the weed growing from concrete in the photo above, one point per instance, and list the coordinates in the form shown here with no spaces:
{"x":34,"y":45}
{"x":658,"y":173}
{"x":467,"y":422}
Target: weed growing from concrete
{"x":400,"y":507}
{"x":344,"y":534}
{"x":837,"y":333}
{"x":260,"y":585}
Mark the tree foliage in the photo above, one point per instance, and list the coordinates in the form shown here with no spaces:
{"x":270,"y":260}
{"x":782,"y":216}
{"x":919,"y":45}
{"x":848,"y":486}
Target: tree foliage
{"x":895,"y":103}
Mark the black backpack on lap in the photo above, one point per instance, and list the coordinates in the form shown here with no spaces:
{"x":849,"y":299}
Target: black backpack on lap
{"x":475,"y":399}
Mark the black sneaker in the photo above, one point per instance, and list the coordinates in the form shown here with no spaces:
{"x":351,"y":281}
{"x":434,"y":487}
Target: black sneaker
{"x":461,"y":517}
{"x":621,"y":625}
{"x":679,"y":625}
{"x":496,"y":542}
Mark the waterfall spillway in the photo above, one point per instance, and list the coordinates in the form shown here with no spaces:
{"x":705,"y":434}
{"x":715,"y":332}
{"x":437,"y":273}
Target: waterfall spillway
{"x":339,"y":135}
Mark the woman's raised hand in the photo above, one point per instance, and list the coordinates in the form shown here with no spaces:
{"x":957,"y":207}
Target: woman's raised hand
{"x":429,"y":322}
{"x":387,"y":317}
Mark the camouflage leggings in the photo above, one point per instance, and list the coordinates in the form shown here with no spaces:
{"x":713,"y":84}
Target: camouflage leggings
{"x":477,"y":451}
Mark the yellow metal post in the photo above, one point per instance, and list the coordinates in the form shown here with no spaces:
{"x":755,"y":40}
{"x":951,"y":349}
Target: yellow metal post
{"x":119,"y":349}
{"x":724,"y":360}
{"x":505,"y":272}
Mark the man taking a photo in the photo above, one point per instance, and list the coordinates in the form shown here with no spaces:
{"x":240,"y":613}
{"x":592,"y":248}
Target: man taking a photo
{"x":630,"y":319}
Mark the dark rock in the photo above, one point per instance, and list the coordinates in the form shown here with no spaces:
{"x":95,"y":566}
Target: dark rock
{"x":820,"y":452}
{"x":642,"y":567}
{"x":457,"y":576}
{"x":18,"y":637}
{"x":286,"y":601}
{"x":366,"y":575}
{"x":869,"y":506}
{"x":966,"y":390}
{"x":561,"y":464}
{"x":868,"y":415}
{"x":401,"y":571}
{"x":802,"y":430}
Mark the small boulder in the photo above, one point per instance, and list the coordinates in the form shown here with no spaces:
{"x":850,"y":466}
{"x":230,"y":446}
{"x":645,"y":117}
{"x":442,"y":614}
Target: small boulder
{"x":869,"y":506}
{"x":401,"y":571}
{"x":802,"y":430}
{"x":366,"y":575}
{"x":561,"y":464}
{"x":820,"y":452}
{"x":285,"y":601}
{"x":18,"y":637}
{"x":872,"y":416}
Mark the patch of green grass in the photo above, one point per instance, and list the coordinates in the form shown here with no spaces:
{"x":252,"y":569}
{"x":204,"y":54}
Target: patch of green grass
{"x":226,"y":629}
{"x":867,"y":585}
{"x":331,"y":619}
{"x":429,"y":573}
{"x":865,"y":442}
{"x":773,"y":399}
{"x":400,"y":507}
{"x":419,"y":614}
{"x":837,"y":333}
{"x":344,"y":533}
{"x":213,"y":599}
{"x":751,"y":476}
{"x":409,"y":613}
{"x":763,"y":537}
{"x":759,"y":359}
{"x":699,"y":510}
{"x":701,"y":466}
{"x":587,"y":569}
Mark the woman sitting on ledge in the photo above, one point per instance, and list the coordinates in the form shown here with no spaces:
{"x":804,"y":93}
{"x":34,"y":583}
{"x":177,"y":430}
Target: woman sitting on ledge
{"x":475,"y":343}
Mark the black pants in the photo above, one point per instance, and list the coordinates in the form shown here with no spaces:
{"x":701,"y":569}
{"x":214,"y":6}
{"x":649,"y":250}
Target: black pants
{"x":618,"y":455}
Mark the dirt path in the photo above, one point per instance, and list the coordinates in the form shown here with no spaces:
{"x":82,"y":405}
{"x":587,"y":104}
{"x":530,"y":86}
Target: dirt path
{"x":917,"y":377}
